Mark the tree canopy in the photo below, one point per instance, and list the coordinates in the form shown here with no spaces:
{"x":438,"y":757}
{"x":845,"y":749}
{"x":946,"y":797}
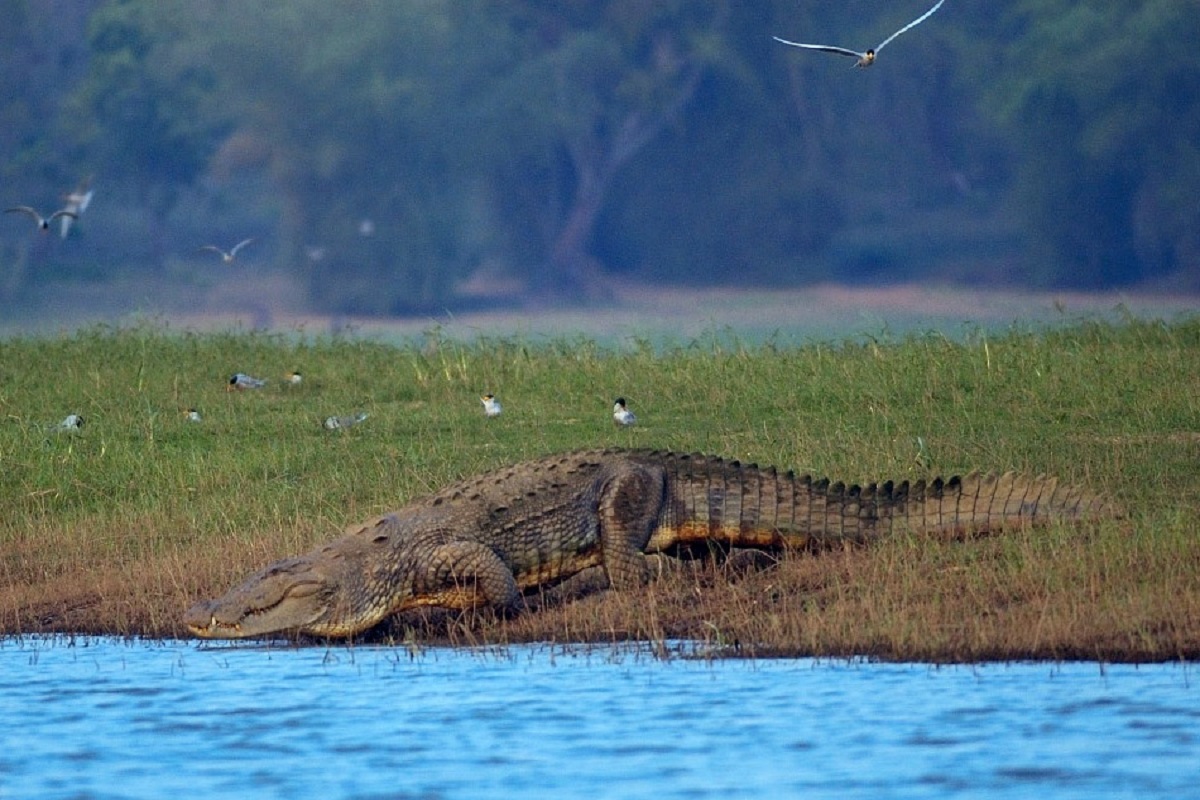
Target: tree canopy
{"x":387,"y":152}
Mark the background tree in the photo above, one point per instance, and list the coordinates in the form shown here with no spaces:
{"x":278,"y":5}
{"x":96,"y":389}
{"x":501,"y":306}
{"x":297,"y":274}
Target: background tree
{"x":36,"y":162}
{"x":1103,"y":102}
{"x":383,"y":153}
{"x":597,"y":84}
{"x":363,"y":114}
{"x":147,"y":110}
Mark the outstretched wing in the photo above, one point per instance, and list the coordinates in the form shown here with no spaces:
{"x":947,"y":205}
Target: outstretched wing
{"x":912,"y":24}
{"x":825,"y":48}
{"x":82,"y":200}
{"x":62,"y":212}
{"x":239,"y":246}
{"x":24,"y":210}
{"x":213,"y":248}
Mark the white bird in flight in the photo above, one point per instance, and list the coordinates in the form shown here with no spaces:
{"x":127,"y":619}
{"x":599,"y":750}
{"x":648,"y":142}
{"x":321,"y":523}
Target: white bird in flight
{"x":868,"y":58}
{"x":42,"y":222}
{"x":77,"y":203}
{"x":228,"y":257}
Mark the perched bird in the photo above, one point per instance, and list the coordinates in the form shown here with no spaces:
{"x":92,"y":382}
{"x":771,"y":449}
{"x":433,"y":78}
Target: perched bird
{"x":294,"y":378}
{"x":241,"y":381}
{"x":868,"y":58}
{"x":192,"y":415}
{"x":227,"y":257}
{"x":73,"y":422}
{"x":42,"y":222}
{"x":77,"y":203}
{"x":621,"y":414}
{"x":491,"y":406}
{"x":339,"y":423}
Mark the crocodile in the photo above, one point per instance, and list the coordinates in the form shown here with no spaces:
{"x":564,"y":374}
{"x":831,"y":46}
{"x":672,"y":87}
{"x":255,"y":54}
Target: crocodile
{"x":494,"y":539}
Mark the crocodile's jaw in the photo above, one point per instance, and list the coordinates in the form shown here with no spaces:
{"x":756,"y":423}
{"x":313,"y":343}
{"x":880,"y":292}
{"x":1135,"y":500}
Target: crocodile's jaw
{"x":290,"y":596}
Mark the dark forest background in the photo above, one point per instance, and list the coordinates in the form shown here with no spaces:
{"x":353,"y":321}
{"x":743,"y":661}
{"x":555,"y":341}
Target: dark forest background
{"x":395,"y":157}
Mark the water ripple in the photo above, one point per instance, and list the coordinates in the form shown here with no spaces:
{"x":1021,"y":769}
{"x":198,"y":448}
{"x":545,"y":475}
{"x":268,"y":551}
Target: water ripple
{"x":131,"y":720}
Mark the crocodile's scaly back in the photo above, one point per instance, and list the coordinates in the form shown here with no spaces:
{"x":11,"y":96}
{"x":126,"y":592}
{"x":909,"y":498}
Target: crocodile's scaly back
{"x":714,"y":499}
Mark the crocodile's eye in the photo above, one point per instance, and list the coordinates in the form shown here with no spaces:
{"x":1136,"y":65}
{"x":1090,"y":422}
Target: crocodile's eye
{"x":304,"y":589}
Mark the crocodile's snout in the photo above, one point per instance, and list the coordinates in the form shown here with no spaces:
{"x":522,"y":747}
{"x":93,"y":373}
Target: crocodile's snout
{"x":203,"y":620}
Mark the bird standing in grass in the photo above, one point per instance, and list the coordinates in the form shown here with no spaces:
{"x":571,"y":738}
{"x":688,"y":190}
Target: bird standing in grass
{"x":341,"y":423}
{"x":192,"y":415}
{"x":491,"y":406}
{"x":73,"y":422}
{"x":229,"y":256}
{"x":43,"y":223}
{"x":867,"y":58}
{"x":294,"y":378}
{"x":241,"y":381}
{"x":621,"y":414}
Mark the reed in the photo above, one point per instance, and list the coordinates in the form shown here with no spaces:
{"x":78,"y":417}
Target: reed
{"x":118,"y":527}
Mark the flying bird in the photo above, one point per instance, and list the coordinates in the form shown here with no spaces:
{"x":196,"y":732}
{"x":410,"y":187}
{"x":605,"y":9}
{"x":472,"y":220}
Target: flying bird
{"x":621,"y":414}
{"x":242,"y":381}
{"x":867,"y":58}
{"x":77,"y":203}
{"x":227,"y":257}
{"x":42,"y":222}
{"x":491,"y":406}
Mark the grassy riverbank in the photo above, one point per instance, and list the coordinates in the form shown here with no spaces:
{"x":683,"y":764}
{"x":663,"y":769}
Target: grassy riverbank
{"x":118,"y":527}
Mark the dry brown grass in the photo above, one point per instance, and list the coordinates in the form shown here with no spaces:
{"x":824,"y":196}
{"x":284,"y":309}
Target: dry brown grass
{"x":1063,"y":594}
{"x":1102,"y":592}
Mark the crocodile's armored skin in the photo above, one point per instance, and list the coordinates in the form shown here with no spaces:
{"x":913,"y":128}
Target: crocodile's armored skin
{"x":490,"y":539}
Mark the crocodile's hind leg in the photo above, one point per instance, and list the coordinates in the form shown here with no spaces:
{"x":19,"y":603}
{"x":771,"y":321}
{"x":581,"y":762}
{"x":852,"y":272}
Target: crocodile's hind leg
{"x":629,"y":508}
{"x":583,"y":583}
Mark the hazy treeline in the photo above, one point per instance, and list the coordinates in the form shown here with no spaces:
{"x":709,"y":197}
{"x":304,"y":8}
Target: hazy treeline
{"x":388,"y":151}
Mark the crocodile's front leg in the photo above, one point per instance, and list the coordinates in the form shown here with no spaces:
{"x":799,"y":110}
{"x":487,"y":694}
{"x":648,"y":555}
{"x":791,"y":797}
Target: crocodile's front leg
{"x":630,"y":503}
{"x":595,"y":579}
{"x":464,"y":575}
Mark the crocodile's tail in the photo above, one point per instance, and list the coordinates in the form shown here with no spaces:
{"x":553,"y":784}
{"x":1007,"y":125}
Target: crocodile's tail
{"x":972,"y":504}
{"x":745,"y":505}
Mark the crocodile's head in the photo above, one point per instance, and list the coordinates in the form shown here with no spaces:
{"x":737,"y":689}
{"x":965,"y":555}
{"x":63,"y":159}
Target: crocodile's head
{"x":296,"y":595}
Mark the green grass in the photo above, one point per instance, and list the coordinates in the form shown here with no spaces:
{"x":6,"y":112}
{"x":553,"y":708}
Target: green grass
{"x":182,"y":509}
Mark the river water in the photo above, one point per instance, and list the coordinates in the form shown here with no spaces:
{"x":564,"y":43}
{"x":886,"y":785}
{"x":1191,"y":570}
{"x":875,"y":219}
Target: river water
{"x":103,"y":718}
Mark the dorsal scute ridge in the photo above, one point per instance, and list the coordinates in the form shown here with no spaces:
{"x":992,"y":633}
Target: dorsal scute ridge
{"x":973,"y":492}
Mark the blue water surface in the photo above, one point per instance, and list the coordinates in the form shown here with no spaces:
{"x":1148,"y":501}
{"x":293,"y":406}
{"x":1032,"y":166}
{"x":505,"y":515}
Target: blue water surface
{"x":116,"y":719}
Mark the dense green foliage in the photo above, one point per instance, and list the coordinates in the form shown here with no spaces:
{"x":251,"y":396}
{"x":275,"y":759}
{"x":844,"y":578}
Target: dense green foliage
{"x":388,"y":151}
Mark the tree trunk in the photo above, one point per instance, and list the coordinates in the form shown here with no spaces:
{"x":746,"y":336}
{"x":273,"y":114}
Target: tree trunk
{"x":573,"y":272}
